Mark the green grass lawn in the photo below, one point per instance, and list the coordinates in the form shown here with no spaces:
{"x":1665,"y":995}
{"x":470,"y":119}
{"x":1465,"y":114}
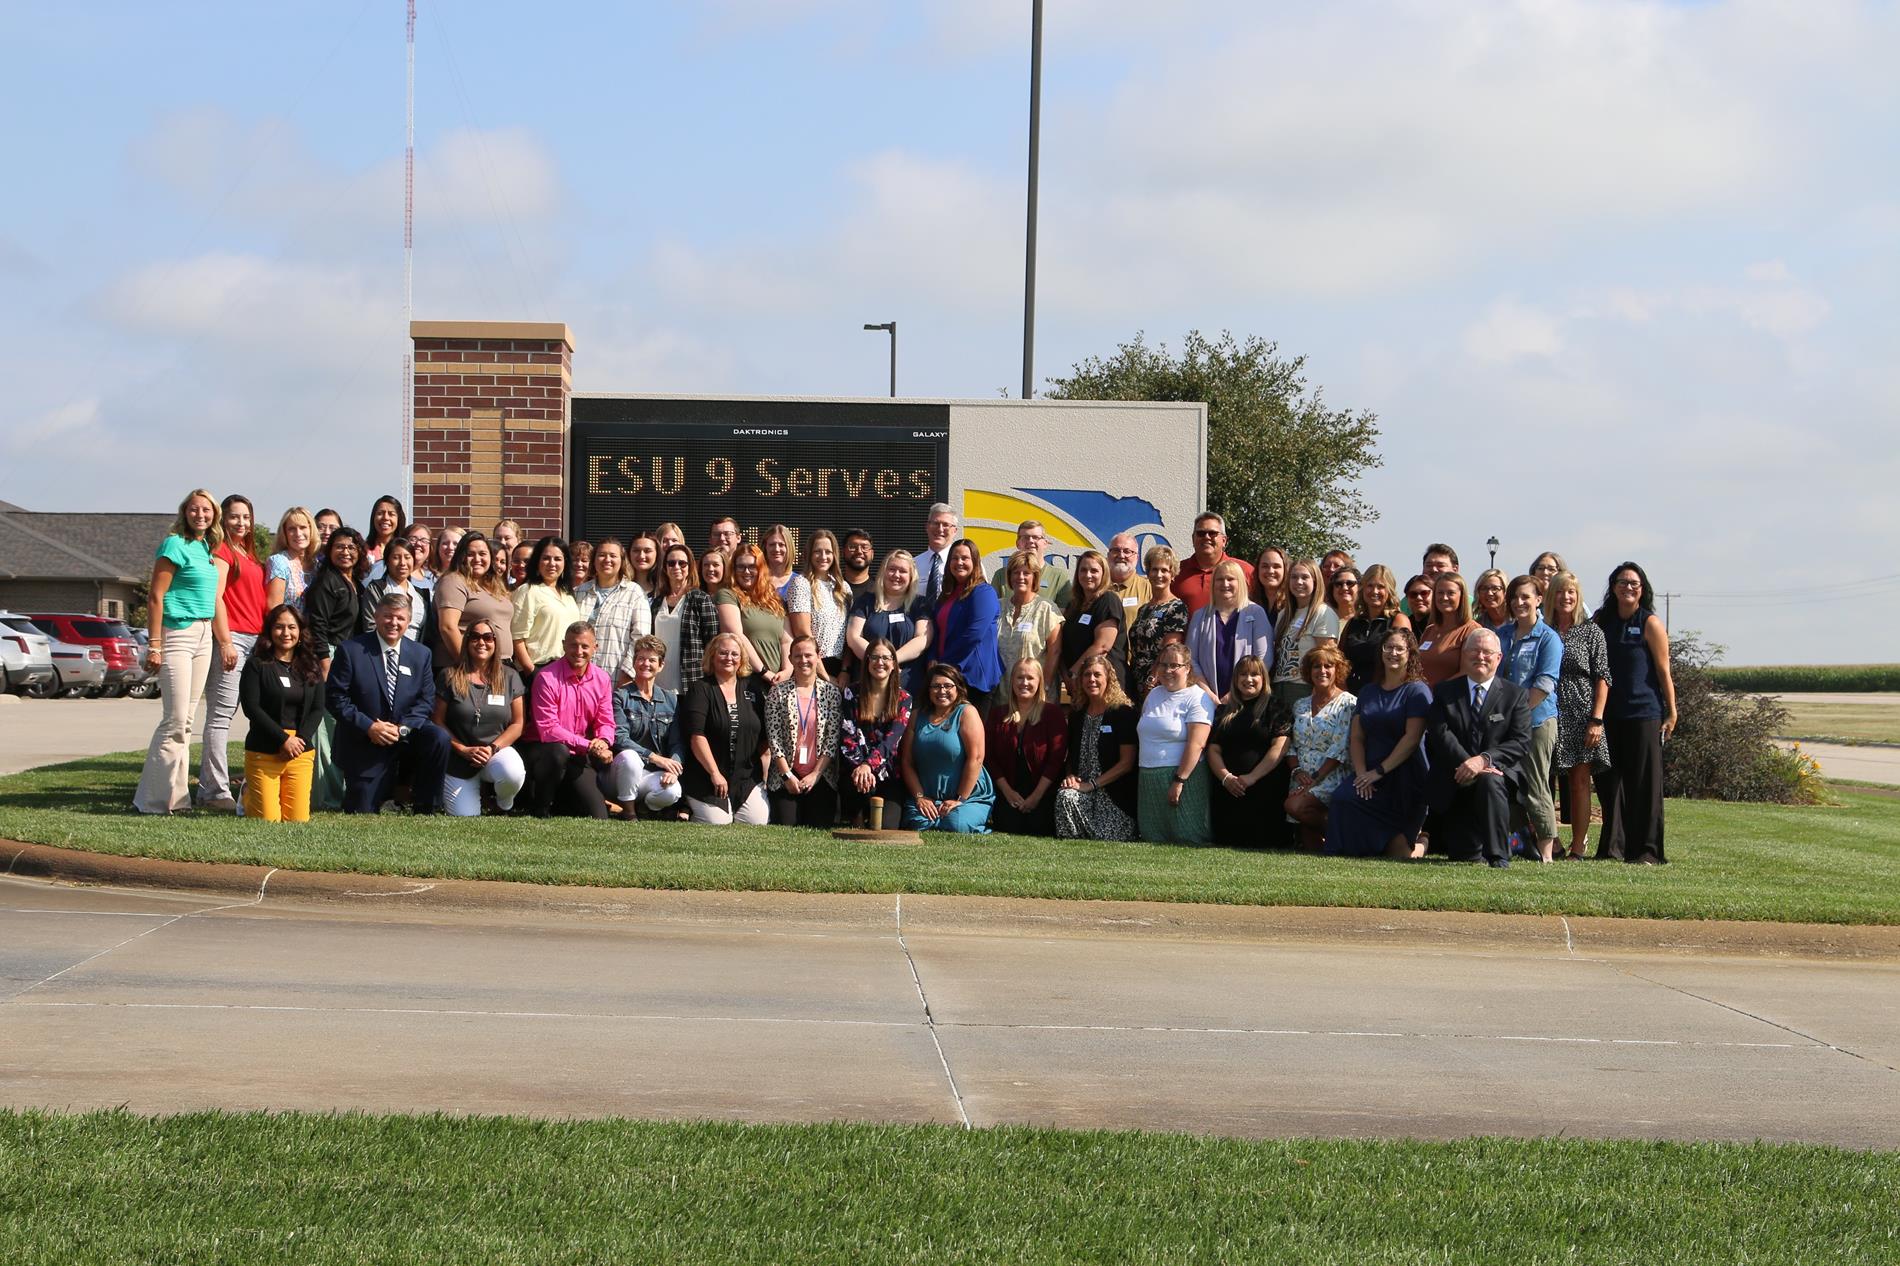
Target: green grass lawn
{"x":1841,"y":722}
{"x":1833,"y":864}
{"x":214,"y":1188}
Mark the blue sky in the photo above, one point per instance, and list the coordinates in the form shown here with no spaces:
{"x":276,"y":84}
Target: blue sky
{"x":1617,"y":277}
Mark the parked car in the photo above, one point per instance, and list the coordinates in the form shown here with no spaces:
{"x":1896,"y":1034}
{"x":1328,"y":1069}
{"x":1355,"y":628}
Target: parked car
{"x":77,"y":669}
{"x":146,"y":685}
{"x":26,"y":656}
{"x":123,"y":660}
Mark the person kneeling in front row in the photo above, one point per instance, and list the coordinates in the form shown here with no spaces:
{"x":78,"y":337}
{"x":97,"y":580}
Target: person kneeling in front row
{"x":1477,"y":737}
{"x":574,"y":719}
{"x":649,"y":749}
{"x":478,"y":701}
{"x":281,"y":692}
{"x":382,"y":693}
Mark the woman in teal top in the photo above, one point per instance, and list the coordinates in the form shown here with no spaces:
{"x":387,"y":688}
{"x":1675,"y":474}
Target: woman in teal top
{"x":187,"y":625}
{"x":942,"y":760}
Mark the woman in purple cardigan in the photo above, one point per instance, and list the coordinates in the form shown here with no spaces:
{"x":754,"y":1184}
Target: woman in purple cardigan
{"x":1227,"y":630}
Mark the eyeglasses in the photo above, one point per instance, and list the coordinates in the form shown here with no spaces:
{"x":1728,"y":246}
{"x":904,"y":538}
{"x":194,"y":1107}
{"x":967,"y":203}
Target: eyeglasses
{"x":1345,"y":584}
{"x":1210,"y":532}
{"x":678,"y":562}
{"x":1631,"y":583}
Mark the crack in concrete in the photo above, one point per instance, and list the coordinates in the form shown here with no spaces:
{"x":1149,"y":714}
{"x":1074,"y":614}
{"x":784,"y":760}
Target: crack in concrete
{"x":1759,"y":1019}
{"x":930,"y":1020}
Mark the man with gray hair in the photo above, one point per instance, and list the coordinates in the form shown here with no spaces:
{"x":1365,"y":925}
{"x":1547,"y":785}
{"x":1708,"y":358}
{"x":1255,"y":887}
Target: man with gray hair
{"x":1125,"y":580}
{"x":1477,"y":736}
{"x":381,"y":690}
{"x":1056,"y":582}
{"x":941,"y":525}
{"x":574,"y":720}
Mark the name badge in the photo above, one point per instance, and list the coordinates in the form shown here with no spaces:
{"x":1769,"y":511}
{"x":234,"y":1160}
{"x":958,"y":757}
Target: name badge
{"x":496,"y":700}
{"x":1131,"y":602}
{"x":1495,"y":716}
{"x":1025,"y":627}
{"x":404,"y":670}
{"x":1107,"y":729}
{"x":1633,"y":633}
{"x":284,"y":682}
{"x":1084,"y":618}
{"x":896,"y":618}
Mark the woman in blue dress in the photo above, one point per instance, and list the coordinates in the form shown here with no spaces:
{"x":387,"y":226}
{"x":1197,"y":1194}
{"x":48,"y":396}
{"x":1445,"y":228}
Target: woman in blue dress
{"x":1381,"y":811}
{"x":942,"y":760}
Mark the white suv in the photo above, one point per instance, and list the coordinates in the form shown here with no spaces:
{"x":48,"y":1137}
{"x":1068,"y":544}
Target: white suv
{"x":26,"y":656}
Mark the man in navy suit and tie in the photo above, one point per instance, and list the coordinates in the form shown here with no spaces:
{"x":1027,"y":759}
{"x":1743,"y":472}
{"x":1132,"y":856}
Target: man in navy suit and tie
{"x":1477,"y":736}
{"x":381,"y":692}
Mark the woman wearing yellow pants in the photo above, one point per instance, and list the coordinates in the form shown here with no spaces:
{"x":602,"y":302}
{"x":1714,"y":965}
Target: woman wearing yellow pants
{"x":281,"y":692}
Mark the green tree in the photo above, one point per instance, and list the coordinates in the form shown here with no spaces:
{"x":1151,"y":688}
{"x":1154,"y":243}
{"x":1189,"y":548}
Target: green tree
{"x":1282,"y":468}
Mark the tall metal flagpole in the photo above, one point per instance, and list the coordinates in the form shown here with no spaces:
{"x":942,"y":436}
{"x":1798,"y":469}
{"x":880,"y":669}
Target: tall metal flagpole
{"x":409,"y":267}
{"x":1029,"y":254}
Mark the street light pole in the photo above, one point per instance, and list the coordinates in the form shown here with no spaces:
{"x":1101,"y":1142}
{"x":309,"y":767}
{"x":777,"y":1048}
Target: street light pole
{"x":892,"y":327}
{"x":1029,"y":253}
{"x":1492,"y":545}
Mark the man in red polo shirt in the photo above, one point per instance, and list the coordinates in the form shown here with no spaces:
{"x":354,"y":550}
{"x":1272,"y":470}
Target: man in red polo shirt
{"x":1210,"y":550}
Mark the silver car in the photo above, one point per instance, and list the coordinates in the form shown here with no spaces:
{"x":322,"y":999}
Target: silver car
{"x":26,"y":656}
{"x":78,"y":669}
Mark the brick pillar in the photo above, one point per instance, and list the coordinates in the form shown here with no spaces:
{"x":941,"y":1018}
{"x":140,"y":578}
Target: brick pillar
{"x":491,"y":423}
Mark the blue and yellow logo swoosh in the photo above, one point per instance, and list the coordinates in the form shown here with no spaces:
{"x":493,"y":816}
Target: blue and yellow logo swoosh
{"x":1074,"y":519}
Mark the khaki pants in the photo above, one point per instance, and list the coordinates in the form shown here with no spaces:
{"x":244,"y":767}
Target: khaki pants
{"x":278,"y":790}
{"x":165,"y":784}
{"x":1536,"y":807}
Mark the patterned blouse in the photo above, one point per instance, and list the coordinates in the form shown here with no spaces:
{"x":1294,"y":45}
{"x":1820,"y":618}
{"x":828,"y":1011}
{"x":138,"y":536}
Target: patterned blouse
{"x":290,"y":570}
{"x":1026,"y":634}
{"x":827,"y":614}
{"x":864,"y":743}
{"x":781,"y":727}
{"x":1153,"y":623}
{"x":1317,"y":739}
{"x":620,"y":616}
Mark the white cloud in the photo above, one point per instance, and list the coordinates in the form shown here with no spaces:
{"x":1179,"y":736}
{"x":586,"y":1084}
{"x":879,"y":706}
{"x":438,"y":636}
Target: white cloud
{"x":1509,"y":331}
{"x":58,"y":429}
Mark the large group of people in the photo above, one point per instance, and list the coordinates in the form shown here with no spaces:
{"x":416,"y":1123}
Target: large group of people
{"x":1295,"y":702}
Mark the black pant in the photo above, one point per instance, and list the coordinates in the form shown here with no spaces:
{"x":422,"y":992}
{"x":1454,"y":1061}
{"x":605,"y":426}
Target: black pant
{"x":817,"y":807}
{"x":571,"y":777}
{"x":1631,"y":792}
{"x":1040,"y":820}
{"x":852,"y":802}
{"x":1476,"y":825}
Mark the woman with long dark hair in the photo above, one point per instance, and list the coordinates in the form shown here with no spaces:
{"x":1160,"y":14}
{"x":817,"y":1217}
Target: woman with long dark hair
{"x":332,"y":608}
{"x":544,"y":608}
{"x":387,"y":522}
{"x":398,"y":576}
{"x":241,"y":580}
{"x":1637,"y":720}
{"x":478,"y":703}
{"x":684,"y":619}
{"x":281,"y":691}
{"x":964,"y":627}
{"x":942,"y":757}
{"x":876,"y":714}
{"x":473,"y":586}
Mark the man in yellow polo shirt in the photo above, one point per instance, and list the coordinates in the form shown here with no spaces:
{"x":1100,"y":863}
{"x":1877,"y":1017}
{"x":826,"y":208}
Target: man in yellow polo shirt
{"x":1056,"y":581}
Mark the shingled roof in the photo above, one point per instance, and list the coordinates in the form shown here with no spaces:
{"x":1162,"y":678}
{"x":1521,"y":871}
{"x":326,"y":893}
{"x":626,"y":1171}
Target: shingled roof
{"x":47,"y":545}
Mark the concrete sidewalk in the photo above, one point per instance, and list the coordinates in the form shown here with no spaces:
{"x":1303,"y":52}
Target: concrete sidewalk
{"x":734,"y":1006}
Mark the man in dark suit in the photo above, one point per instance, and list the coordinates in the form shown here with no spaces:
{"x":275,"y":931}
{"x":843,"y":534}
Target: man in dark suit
{"x":1477,"y":737}
{"x":381,"y":692}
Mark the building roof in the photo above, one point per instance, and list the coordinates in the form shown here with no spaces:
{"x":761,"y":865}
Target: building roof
{"x":48,"y":545}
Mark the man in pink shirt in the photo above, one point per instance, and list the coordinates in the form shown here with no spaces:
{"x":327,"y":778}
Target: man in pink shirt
{"x":574,"y":720}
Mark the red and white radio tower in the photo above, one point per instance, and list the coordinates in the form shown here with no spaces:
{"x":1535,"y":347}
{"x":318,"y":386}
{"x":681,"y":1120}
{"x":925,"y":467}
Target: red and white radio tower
{"x":408,"y":268}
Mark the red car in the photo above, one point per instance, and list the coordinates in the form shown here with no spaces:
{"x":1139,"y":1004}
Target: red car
{"x":113,"y":639}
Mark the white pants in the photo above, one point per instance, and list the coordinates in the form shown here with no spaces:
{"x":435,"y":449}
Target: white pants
{"x":165,"y":784}
{"x":221,"y":704}
{"x":462,"y":797}
{"x":629,"y":778}
{"x":752,"y":811}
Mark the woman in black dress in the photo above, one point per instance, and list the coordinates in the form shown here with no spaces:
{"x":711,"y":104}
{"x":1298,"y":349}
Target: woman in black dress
{"x":1246,"y":753}
{"x":1638,"y":718}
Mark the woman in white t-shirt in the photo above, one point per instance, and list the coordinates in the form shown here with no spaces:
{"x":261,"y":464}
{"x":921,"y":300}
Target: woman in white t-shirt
{"x":1175,"y":721}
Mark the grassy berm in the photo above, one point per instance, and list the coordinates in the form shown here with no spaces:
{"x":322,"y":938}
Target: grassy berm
{"x":211,"y":1189}
{"x":1827,"y":864}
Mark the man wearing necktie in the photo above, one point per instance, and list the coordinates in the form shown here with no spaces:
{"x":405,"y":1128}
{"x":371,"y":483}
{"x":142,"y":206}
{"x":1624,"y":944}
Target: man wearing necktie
{"x":1477,"y":736}
{"x":382,"y":691}
{"x":941,"y":526}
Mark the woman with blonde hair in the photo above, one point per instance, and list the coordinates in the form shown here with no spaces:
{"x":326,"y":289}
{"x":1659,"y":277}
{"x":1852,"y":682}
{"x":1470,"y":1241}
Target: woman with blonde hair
{"x":778,"y":551}
{"x":1322,"y":734}
{"x":748,"y":604}
{"x":293,"y":557}
{"x":1228,"y":630}
{"x":1309,"y":622}
{"x":186,"y":617}
{"x":1583,"y":691}
{"x":817,"y":601}
{"x":885,"y":611}
{"x":1374,"y":614}
{"x":1025,"y":748}
{"x":1096,"y":801}
{"x":1246,"y":753}
{"x":1029,"y":624}
{"x":722,"y":716}
{"x":1489,"y":605}
{"x":802,"y":715}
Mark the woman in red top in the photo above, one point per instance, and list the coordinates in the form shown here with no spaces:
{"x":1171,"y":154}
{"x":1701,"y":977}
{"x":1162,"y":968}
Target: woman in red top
{"x":241,"y":577}
{"x":1026,"y":749}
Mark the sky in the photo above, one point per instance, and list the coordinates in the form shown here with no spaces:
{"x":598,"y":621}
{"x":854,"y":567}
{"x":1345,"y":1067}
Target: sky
{"x":1618,"y":277}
